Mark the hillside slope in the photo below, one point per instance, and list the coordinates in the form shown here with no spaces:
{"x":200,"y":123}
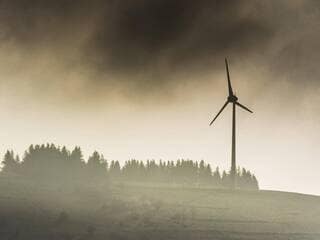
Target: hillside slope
{"x":265,"y":212}
{"x":156,"y":212}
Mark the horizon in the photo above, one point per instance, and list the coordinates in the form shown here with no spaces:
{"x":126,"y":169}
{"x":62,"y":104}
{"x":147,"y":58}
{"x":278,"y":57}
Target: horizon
{"x":87,"y":154}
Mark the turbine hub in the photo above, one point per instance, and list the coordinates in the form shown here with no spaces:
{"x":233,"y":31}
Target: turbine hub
{"x":232,"y":98}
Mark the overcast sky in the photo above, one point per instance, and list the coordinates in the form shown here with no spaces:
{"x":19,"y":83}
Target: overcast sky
{"x":143,"y":79}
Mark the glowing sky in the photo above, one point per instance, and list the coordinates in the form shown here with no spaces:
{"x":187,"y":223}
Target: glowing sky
{"x":143,"y":79}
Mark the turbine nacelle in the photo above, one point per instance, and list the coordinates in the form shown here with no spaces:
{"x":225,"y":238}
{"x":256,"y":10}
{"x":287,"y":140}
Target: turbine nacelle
{"x":232,"y":98}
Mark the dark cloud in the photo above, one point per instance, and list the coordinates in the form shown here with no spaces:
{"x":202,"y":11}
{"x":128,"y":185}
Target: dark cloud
{"x":134,"y":35}
{"x":146,"y":41}
{"x":184,"y":31}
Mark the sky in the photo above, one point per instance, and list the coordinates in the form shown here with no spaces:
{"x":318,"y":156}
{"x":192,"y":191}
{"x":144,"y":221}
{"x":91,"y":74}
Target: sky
{"x":143,"y":79}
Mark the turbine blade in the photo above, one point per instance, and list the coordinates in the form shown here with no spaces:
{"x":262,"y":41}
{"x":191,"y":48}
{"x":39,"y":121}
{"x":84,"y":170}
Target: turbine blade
{"x":219,"y":112}
{"x":244,"y":107}
{"x":228,"y":75}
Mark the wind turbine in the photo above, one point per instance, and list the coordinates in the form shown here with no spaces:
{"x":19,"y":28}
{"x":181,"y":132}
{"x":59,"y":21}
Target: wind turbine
{"x":232,"y":98}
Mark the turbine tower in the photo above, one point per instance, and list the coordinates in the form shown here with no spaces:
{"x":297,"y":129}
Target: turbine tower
{"x":232,"y":98}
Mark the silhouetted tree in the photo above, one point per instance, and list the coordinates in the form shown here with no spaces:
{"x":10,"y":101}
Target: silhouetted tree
{"x":10,"y":163}
{"x":225,"y":180}
{"x":115,"y":170}
{"x":216,"y":177}
{"x":208,"y":175}
{"x":77,"y":164}
{"x":97,"y":167}
{"x":254,"y":183}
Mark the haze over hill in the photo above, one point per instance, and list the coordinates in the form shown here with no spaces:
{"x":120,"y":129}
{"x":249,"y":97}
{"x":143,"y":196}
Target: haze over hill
{"x":154,"y":212}
{"x":142,"y":79}
{"x":53,"y":193}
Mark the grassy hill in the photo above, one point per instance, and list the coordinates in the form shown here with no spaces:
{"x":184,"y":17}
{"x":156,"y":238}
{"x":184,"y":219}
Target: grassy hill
{"x":130,"y":211}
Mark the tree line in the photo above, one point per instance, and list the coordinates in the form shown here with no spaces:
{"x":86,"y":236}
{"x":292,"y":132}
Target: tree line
{"x":50,"y":164}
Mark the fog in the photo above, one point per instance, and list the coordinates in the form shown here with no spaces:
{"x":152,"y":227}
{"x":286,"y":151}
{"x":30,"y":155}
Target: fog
{"x":142,"y":79}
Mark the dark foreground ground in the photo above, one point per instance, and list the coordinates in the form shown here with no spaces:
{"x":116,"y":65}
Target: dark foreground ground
{"x":140,"y":212}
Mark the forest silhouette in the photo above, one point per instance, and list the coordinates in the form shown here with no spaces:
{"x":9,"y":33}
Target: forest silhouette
{"x":54,"y":166}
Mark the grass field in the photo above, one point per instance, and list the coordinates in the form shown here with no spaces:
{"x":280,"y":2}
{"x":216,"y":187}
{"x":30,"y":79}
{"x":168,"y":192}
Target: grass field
{"x":130,"y":211}
{"x":263,"y":213}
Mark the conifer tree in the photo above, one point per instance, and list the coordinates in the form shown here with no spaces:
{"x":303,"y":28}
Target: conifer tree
{"x":10,"y":163}
{"x":208,"y":175}
{"x":97,"y":167}
{"x":114,"y":170}
{"x":216,"y":177}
